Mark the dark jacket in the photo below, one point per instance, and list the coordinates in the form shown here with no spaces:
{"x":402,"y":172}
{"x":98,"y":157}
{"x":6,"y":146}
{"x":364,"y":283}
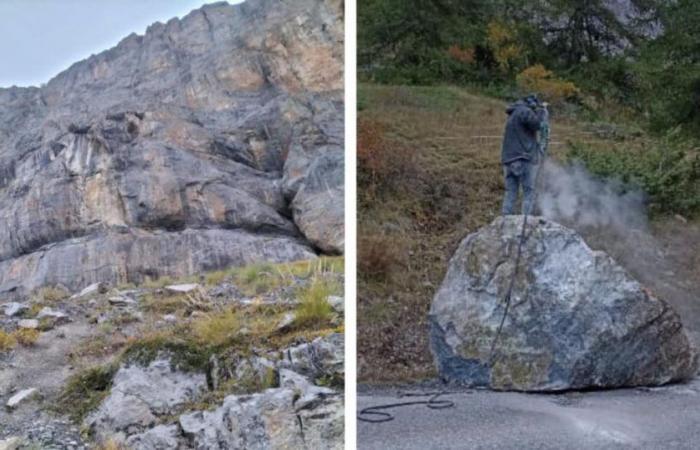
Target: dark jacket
{"x":520,"y":136}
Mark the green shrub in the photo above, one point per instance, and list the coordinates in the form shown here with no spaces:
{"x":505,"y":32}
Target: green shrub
{"x":668,"y":172}
{"x":84,"y":391}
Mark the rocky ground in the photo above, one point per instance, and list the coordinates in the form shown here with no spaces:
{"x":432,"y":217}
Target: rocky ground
{"x":244,"y":357}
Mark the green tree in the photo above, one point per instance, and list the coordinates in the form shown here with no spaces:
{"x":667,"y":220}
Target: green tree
{"x":412,"y":36}
{"x":670,"y":67}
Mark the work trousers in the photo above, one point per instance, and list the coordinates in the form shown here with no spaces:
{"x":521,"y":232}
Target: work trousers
{"x":519,"y":173}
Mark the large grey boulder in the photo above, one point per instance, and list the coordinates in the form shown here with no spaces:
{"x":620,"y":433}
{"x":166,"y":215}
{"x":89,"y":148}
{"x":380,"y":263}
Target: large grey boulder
{"x":318,"y":205}
{"x":576,"y":320}
{"x":183,"y":150}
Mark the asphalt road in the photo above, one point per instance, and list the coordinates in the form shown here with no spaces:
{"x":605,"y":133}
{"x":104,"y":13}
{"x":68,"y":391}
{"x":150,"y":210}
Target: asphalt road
{"x":656,"y":418}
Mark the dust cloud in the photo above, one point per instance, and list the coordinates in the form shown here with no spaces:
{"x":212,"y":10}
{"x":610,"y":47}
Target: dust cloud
{"x":572,"y":196}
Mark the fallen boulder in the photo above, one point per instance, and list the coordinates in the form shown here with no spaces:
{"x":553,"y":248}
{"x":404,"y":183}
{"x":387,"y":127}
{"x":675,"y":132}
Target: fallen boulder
{"x":576,"y":318}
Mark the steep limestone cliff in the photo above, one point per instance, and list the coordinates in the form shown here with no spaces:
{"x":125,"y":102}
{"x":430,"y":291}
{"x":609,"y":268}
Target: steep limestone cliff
{"x":182,"y":150}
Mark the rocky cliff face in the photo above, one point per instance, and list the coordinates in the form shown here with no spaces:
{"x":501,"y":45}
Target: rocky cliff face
{"x":209,"y":141}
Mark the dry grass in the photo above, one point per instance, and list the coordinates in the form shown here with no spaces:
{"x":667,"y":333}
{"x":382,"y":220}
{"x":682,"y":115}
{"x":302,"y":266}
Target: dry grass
{"x":7,"y":341}
{"x":50,"y":294}
{"x":163,"y":303}
{"x":111,"y":444}
{"x":377,"y":256}
{"x":407,"y":235}
{"x":314,"y":311}
{"x":217,"y":329}
{"x":26,"y":336}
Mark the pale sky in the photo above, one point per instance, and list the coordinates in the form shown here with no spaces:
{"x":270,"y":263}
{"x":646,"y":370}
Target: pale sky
{"x":41,"y":38}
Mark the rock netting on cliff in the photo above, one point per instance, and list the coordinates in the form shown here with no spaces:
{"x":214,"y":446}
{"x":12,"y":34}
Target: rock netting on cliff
{"x":577,"y":319}
{"x":182,"y":150}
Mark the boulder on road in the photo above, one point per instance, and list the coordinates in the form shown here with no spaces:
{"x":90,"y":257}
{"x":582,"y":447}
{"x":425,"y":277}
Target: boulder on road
{"x":576,"y":319}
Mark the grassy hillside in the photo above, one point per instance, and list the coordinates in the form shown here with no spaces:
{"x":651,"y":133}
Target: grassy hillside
{"x":429,"y":174}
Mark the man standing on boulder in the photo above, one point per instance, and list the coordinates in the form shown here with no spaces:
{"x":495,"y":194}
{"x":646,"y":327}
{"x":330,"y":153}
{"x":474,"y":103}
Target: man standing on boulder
{"x":521,"y":151}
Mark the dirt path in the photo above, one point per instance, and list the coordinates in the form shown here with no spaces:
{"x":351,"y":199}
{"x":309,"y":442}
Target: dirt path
{"x":46,"y":366}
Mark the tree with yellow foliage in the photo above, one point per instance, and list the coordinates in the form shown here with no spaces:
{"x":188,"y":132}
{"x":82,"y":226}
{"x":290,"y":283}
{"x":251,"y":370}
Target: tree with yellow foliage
{"x":502,"y":41}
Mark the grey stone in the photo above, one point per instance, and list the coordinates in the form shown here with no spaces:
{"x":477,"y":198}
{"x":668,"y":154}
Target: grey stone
{"x":28,"y":323}
{"x":161,"y":437}
{"x":576,"y":320}
{"x":139,"y":395}
{"x":322,"y":357}
{"x":309,"y":394}
{"x":11,"y":443}
{"x":121,"y":300}
{"x":286,"y":322}
{"x":52,"y":314}
{"x":94,"y":288}
{"x":318,"y":205}
{"x":21,"y":396}
{"x":170,"y":318}
{"x":337,"y":303}
{"x":182,"y":288}
{"x":13,"y":308}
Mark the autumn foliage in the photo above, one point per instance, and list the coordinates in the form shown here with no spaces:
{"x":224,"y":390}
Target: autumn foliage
{"x":381,"y":163}
{"x":462,"y":55}
{"x":538,"y":79}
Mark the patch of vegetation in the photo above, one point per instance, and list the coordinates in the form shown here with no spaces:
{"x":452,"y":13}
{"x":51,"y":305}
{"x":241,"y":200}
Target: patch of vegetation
{"x":106,"y":342}
{"x":34,"y":309}
{"x":314,"y":309}
{"x":111,"y":444}
{"x":217,"y":329}
{"x":50,"y":294}
{"x":377,"y":256}
{"x":26,"y":336}
{"x":7,"y":341}
{"x":216,"y":277}
{"x":667,"y":171}
{"x":335,"y":380}
{"x":46,"y":323}
{"x":85,"y":390}
{"x":162,"y":303}
{"x":185,"y":353}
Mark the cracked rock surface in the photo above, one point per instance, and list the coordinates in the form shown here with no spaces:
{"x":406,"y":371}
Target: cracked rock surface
{"x":210,"y":141}
{"x":576,"y":319}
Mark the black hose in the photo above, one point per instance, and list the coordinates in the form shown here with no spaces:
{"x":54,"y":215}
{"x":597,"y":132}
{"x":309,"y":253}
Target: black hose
{"x":376,"y":414}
